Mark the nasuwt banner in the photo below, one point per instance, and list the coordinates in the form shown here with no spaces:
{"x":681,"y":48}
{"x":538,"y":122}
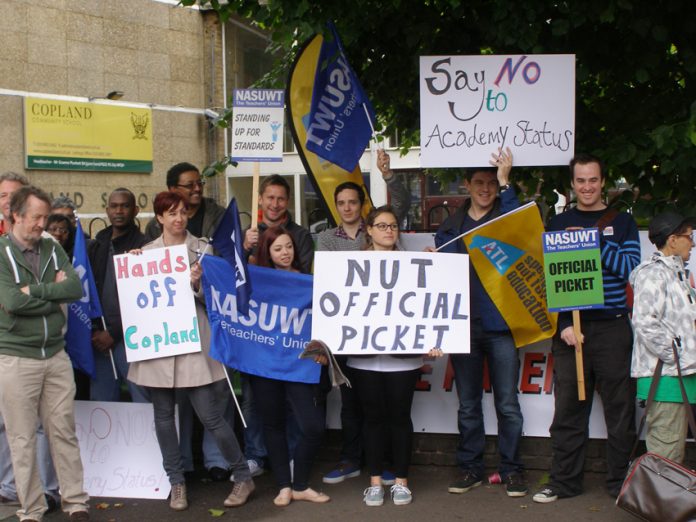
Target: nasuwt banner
{"x":507,"y":255}
{"x":269,"y":340}
{"x":324,"y":175}
{"x":68,"y":135}
{"x":393,"y":303}
{"x":573,"y":270}
{"x":470,"y":105}
{"x":257,"y":124}
{"x":157,"y":304}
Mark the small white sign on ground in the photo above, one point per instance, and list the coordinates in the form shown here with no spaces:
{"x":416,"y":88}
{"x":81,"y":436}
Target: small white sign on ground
{"x":257,"y":125}
{"x":368,"y":303}
{"x":471,"y":105}
{"x":119,"y":450}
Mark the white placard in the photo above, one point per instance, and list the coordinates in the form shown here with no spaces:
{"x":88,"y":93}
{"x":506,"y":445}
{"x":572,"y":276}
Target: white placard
{"x":471,"y":105}
{"x":158,"y":310}
{"x":119,"y":450}
{"x":257,"y":125}
{"x":391,"y":302}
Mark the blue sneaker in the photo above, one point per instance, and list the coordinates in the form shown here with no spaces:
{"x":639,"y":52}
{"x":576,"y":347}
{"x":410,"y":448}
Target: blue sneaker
{"x":374,"y":496}
{"x":343,"y":471}
{"x":401,"y":495}
{"x":388,"y":478}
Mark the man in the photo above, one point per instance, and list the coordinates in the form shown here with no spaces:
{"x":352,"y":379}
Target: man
{"x":491,"y":195}
{"x":664,"y":311}
{"x":10,"y":182}
{"x":204,"y":214}
{"x":606,"y":349}
{"x":36,"y":276}
{"x":274,"y":195}
{"x":65,"y":206}
{"x":123,"y":235}
{"x":349,"y":235}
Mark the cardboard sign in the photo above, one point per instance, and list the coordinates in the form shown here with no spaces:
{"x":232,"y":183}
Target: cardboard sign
{"x":368,"y":303}
{"x":120,"y":454}
{"x":471,"y":105}
{"x":257,"y":125}
{"x":573,"y":270}
{"x":157,"y":305}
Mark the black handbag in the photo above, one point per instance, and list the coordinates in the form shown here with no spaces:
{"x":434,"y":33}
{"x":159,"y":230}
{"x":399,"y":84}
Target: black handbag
{"x":656,"y":488}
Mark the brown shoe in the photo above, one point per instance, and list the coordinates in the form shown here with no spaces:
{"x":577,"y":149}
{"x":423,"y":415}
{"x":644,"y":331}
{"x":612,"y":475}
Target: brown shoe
{"x":177,"y":500}
{"x":240,"y":493}
{"x":79,"y":516}
{"x":310,"y":496}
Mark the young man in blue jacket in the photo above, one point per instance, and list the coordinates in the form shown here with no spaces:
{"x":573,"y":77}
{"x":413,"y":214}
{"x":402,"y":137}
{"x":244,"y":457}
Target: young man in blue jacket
{"x":492,"y":195}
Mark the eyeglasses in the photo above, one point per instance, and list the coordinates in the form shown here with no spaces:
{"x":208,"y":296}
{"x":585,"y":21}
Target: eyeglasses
{"x":690,"y":237}
{"x":384,"y":226}
{"x":190,"y":186}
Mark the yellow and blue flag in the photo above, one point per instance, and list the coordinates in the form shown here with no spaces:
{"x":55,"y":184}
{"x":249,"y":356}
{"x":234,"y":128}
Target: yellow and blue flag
{"x":506,"y":253}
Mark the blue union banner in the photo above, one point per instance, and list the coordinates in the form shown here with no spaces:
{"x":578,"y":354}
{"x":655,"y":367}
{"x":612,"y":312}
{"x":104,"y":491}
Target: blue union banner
{"x":268,"y":341}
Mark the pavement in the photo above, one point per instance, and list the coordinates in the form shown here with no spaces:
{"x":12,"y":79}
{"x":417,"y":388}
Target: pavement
{"x":431,"y":503}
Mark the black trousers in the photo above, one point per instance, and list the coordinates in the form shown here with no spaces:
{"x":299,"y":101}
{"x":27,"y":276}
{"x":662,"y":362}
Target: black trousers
{"x":386,"y":399}
{"x":607,"y":364}
{"x":351,"y":417}
{"x":308,"y":403}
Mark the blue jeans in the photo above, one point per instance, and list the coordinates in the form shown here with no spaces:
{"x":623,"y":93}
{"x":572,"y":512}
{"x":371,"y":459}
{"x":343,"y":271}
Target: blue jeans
{"x":104,"y":387}
{"x":503,"y":365}
{"x":254,"y":446}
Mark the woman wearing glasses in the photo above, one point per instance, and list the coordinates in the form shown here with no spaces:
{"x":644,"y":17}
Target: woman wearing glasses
{"x":385,"y":386}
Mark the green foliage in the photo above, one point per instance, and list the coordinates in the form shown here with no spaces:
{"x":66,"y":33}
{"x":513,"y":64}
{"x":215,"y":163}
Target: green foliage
{"x":636,"y":68}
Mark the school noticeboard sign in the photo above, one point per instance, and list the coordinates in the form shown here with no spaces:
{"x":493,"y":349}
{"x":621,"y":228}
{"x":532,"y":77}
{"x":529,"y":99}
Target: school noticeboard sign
{"x":573,"y":270}
{"x":471,"y":105}
{"x":257,"y":125}
{"x":368,"y":303}
{"x":157,"y":305}
{"x":67,"y":135}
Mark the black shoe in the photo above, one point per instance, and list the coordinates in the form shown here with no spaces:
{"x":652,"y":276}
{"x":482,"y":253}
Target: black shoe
{"x":466,"y":481}
{"x":217,"y":474}
{"x":516,"y":485}
{"x":52,"y":502}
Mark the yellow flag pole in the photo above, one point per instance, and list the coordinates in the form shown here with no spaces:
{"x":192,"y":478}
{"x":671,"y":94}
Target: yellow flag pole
{"x":579,"y":368}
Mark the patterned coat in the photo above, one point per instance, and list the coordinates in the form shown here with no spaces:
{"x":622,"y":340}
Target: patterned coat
{"x":664,"y":307}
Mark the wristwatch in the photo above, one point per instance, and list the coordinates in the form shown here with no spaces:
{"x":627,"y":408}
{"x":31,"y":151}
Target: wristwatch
{"x":505,"y":187}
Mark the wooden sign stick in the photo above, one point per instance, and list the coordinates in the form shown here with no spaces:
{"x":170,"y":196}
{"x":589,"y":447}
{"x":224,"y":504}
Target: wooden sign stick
{"x":255,"y":195}
{"x":579,"y":368}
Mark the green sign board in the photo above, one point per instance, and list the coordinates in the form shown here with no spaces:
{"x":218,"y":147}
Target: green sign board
{"x":573,"y":270}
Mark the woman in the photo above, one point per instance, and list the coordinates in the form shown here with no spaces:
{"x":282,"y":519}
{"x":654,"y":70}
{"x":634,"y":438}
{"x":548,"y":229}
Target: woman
{"x":385,"y":385}
{"x":60,"y":227}
{"x":197,"y":373}
{"x":277,"y":250}
{"x":664,"y":309}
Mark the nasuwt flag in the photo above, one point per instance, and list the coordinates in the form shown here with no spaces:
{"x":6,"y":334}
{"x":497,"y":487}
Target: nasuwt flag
{"x":506,"y":253}
{"x":78,"y":337}
{"x":324,"y":175}
{"x":339,"y":129}
{"x":270,"y":339}
{"x":227,"y":240}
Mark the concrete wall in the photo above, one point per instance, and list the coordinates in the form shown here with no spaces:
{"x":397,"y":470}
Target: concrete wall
{"x":155,"y":53}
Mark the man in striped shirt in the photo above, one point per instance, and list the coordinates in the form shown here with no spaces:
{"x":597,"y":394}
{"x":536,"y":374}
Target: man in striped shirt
{"x":607,"y":344}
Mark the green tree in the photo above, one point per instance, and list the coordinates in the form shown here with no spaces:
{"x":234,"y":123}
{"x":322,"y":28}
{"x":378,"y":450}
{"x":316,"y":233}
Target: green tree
{"x":636,"y":71}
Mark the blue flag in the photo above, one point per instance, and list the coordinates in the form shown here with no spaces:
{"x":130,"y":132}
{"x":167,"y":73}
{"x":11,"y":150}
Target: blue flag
{"x":229,"y":242}
{"x":338,"y":129}
{"x":78,"y":338}
{"x":270,"y":339}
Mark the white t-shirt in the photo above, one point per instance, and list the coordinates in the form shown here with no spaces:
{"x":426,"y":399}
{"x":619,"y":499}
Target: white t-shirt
{"x":385,"y":363}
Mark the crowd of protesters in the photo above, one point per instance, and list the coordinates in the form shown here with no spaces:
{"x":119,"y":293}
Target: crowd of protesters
{"x":40,"y":467}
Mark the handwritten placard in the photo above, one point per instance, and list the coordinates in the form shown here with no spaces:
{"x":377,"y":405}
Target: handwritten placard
{"x":119,"y":450}
{"x":471,"y":105}
{"x":157,"y":305}
{"x":391,"y":302}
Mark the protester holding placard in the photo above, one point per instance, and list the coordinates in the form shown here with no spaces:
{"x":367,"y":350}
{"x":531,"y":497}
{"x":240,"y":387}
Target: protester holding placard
{"x":277,"y":249}
{"x":492,"y":195}
{"x":664,"y":311}
{"x":385,"y":385}
{"x":196,"y":372}
{"x":606,"y":348}
{"x":349,"y":235}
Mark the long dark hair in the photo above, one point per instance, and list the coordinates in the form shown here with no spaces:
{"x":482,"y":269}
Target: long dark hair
{"x":263,"y":252}
{"x":370,"y":222}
